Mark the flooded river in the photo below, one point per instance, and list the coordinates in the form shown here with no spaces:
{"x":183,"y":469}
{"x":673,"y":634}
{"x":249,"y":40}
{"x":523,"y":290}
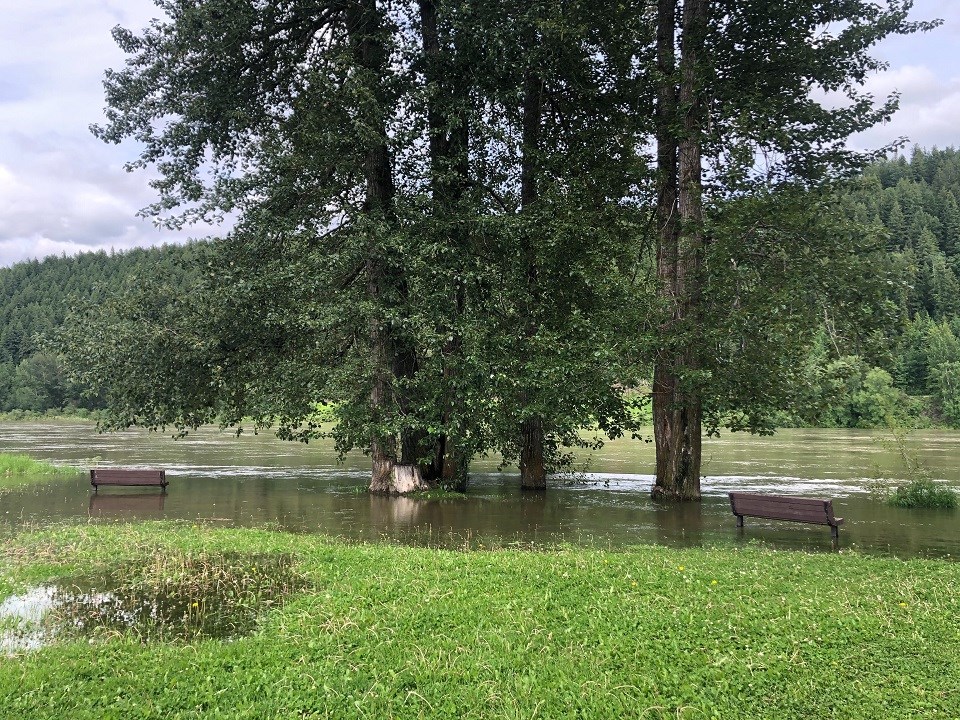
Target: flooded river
{"x":257,"y":480}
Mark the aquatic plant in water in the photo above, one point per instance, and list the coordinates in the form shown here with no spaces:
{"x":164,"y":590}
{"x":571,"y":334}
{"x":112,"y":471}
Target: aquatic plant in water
{"x":920,"y":490}
{"x":169,"y":597}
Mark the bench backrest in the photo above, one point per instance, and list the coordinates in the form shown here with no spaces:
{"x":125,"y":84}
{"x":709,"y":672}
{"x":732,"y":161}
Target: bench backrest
{"x":783,"y":507}
{"x":117,"y":476}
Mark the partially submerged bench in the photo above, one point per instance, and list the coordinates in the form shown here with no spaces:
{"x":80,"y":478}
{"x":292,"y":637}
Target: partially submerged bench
{"x":785,"y":507}
{"x":122,"y":476}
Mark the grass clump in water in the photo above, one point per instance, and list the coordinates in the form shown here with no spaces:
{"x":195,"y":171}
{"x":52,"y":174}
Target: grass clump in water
{"x":15,"y":465}
{"x":18,"y":469}
{"x":920,"y":490}
{"x":923,"y":493}
{"x":178,"y":596}
{"x":184,"y":596}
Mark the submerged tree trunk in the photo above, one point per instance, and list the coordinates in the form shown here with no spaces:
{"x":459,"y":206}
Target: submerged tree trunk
{"x":677,"y":412}
{"x":449,"y":130}
{"x":533,"y":471}
{"x":393,"y":470}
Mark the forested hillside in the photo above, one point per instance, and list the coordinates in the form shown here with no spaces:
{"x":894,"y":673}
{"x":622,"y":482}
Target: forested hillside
{"x":909,"y":374}
{"x":34,"y":299}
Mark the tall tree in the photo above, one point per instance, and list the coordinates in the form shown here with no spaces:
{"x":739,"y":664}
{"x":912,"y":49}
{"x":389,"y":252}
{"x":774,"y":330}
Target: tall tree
{"x":732,"y":107}
{"x":565,"y":96}
{"x":449,"y":99}
{"x":234,"y":102}
{"x":680,"y":129}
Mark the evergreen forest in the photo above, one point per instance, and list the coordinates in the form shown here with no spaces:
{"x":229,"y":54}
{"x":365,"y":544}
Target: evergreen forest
{"x":906,"y":372}
{"x":36,"y":296}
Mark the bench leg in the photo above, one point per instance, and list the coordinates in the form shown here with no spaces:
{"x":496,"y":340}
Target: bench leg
{"x":739,"y":521}
{"x":835,"y":533}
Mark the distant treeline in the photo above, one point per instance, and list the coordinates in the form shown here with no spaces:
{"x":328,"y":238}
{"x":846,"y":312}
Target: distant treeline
{"x":908,"y":374}
{"x":35,"y":296}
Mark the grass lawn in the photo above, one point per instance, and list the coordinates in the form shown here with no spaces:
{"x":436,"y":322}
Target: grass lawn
{"x":384,"y":631}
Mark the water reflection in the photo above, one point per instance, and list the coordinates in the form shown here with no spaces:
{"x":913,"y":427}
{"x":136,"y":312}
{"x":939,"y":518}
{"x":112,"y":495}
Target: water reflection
{"x":143,"y":505}
{"x":682,"y":523}
{"x":257,"y":480}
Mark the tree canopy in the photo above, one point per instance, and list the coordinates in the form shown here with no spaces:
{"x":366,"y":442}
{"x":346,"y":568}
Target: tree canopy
{"x":472,"y":227}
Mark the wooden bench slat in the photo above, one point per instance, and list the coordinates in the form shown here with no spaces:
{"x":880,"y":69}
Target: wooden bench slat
{"x":128,"y":477}
{"x":796,"y":507}
{"x":799,"y":515}
{"x":804,"y":517}
{"x":816,"y":511}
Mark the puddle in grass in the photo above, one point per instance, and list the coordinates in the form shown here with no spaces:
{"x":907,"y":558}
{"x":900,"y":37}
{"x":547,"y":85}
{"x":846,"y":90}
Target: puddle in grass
{"x":173,"y":598}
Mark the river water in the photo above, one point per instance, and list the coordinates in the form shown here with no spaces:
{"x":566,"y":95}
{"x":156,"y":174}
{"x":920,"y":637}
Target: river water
{"x":257,"y":480}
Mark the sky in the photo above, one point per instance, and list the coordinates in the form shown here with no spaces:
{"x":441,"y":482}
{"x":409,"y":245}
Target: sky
{"x":64,"y":191}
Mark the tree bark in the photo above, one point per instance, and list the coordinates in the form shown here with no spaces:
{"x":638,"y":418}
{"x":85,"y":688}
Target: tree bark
{"x":677,"y":411}
{"x":449,"y":136}
{"x":390,"y":474}
{"x":533,"y":471}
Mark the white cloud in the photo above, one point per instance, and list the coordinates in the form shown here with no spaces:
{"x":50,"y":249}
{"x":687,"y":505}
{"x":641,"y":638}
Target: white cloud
{"x":929,"y":108}
{"x":62,"y":190}
{"x":917,"y":82}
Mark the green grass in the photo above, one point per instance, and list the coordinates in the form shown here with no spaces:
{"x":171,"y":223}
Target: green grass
{"x":438,"y":494}
{"x":17,"y":470}
{"x":390,"y":631}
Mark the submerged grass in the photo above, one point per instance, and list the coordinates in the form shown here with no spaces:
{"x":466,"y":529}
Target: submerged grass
{"x":17,"y":469}
{"x":177,"y":596}
{"x":391,"y":631}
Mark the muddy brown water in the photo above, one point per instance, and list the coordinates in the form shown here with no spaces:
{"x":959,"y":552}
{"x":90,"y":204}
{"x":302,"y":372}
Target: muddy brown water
{"x":257,"y":480}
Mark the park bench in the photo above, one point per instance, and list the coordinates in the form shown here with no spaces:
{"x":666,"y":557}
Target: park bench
{"x":785,"y":507}
{"x":123,"y":476}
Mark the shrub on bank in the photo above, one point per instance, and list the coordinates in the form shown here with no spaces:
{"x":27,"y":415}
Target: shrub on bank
{"x":923,"y":493}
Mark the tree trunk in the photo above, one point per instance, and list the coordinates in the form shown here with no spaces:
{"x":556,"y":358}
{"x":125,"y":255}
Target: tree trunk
{"x":533,"y":472}
{"x":677,"y":411}
{"x":388,"y":475}
{"x":449,"y":168}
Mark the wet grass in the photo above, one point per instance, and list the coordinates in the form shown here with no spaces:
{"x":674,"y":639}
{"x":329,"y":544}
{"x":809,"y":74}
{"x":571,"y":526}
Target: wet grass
{"x":389,"y":631}
{"x":17,"y":470}
{"x":176,"y":597}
